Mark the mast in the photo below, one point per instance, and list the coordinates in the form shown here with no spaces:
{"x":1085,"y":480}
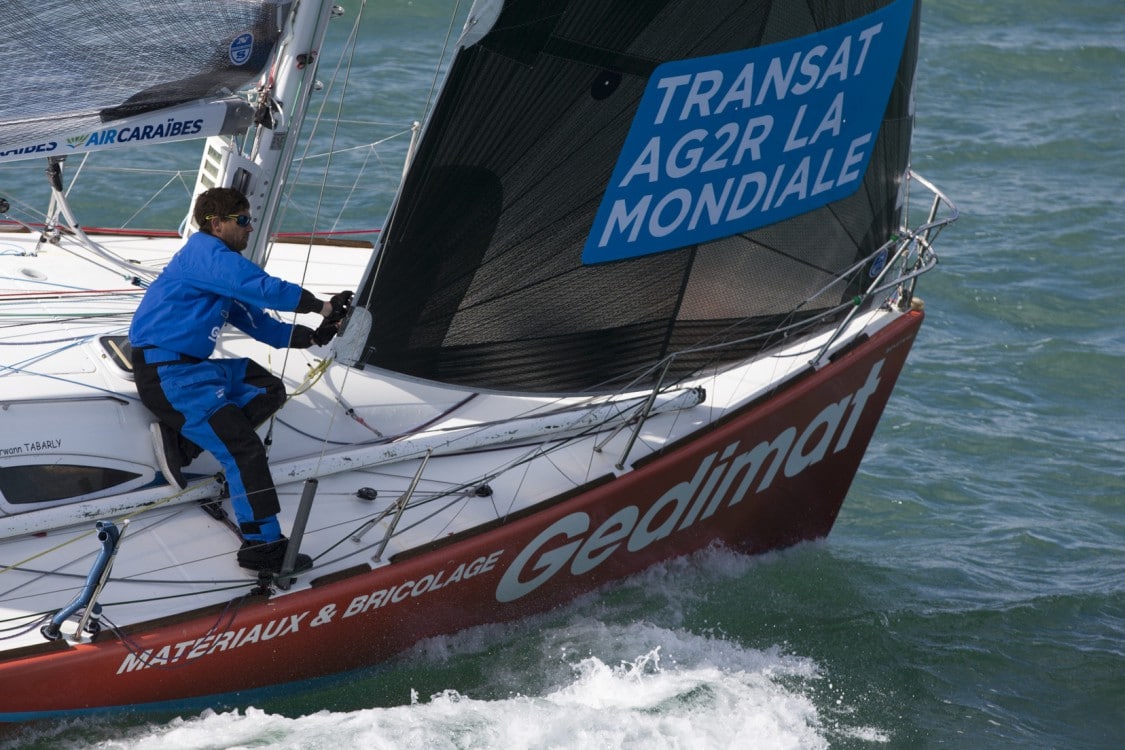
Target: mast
{"x":260,"y":168}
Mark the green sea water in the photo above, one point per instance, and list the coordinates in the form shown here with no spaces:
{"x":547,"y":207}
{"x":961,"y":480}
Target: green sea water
{"x":972,"y":593}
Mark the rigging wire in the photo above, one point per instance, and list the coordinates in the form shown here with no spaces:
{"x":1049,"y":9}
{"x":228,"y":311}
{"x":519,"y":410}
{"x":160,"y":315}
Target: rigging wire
{"x":344,"y":65}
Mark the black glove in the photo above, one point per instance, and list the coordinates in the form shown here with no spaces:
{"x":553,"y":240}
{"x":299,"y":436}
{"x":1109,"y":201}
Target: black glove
{"x":301,"y":338}
{"x":341,"y":306}
{"x":325,"y":333}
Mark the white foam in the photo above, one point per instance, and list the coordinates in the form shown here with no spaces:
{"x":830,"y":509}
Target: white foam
{"x":587,"y":676}
{"x":694,"y":703}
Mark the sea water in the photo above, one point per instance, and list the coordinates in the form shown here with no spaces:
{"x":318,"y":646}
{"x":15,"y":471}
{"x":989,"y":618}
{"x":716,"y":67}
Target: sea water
{"x":972,"y":593}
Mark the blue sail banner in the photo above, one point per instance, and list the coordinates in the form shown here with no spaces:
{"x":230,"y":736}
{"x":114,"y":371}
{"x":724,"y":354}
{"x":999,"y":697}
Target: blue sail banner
{"x":732,"y":142}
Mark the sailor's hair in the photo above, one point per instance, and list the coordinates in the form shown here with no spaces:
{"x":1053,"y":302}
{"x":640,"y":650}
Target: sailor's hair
{"x":218,"y":201}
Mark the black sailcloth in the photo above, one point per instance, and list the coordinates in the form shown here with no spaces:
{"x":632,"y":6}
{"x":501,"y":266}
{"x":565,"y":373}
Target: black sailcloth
{"x":480,"y":278}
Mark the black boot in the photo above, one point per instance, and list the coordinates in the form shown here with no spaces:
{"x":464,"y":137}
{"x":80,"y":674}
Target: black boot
{"x":269,"y":556}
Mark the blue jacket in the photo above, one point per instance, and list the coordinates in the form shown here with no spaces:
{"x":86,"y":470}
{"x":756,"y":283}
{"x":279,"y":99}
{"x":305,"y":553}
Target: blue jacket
{"x":205,"y":286}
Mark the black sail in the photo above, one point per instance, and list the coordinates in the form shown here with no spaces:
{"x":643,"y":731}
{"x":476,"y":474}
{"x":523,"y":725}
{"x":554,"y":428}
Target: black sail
{"x":485,"y":275}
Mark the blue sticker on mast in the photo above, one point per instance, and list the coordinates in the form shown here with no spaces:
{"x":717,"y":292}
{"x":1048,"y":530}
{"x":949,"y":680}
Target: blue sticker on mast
{"x":241,"y":47}
{"x":732,"y":142}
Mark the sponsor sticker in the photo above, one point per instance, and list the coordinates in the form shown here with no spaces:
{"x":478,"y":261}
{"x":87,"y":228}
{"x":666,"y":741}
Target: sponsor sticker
{"x":241,"y":48}
{"x":728,"y":143}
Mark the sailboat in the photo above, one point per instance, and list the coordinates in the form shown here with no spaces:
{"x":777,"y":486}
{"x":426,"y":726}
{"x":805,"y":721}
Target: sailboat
{"x":645,"y":287}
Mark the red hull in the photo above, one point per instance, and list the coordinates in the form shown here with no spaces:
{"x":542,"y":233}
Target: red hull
{"x":773,"y":475}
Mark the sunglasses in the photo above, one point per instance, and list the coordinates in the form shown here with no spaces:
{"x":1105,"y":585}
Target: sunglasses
{"x":241,"y":219}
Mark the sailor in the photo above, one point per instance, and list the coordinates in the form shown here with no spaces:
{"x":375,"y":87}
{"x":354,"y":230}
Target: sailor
{"x":216,"y":404}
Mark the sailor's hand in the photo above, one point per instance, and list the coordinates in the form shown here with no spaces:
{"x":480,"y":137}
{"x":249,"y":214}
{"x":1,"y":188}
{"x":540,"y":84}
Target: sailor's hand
{"x":326,"y":332}
{"x":301,"y":338}
{"x":341,"y":304}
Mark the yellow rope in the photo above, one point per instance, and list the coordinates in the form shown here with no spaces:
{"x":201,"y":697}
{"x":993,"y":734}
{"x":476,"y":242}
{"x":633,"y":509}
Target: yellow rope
{"x":26,"y":560}
{"x":315,"y":373}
